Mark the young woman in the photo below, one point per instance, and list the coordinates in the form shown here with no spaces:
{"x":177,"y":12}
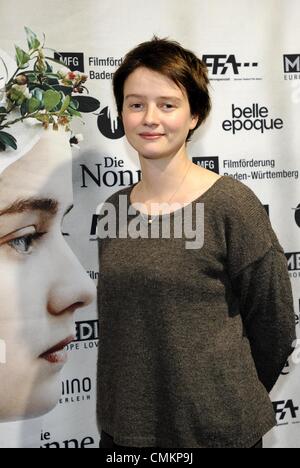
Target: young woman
{"x":42,"y":282}
{"x":192,"y":340}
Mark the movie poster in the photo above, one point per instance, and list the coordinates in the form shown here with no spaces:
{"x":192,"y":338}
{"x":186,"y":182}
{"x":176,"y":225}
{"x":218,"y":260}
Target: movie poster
{"x":51,"y":188}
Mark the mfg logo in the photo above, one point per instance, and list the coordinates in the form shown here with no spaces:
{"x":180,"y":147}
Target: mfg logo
{"x":73,"y":60}
{"x":211,"y":163}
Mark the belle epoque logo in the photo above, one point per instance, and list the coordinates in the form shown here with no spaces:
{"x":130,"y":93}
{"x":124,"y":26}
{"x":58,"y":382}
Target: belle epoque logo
{"x":254,"y":118}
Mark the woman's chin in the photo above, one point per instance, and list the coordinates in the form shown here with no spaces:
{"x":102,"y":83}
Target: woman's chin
{"x":28,"y":413}
{"x":40,"y":402}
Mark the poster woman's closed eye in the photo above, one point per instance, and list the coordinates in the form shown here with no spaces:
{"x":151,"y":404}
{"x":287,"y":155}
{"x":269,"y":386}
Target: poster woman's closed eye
{"x":42,"y":282}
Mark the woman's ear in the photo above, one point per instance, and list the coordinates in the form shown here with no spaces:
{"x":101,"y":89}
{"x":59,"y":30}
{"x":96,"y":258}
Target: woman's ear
{"x":194,"y":121}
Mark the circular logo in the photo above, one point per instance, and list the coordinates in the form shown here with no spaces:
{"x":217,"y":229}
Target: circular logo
{"x":110,"y":127}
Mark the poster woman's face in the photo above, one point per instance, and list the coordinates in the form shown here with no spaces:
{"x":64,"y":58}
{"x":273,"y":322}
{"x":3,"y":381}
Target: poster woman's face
{"x":41,"y":281}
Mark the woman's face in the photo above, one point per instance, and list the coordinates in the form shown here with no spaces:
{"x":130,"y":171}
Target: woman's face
{"x":42,"y":282}
{"x":156,"y":114}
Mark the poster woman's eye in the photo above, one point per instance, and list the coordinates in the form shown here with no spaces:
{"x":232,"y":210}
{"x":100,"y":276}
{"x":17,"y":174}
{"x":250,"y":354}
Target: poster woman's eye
{"x":24,"y":244}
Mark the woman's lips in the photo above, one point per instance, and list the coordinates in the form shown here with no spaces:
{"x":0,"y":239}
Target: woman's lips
{"x":151,"y":136}
{"x":58,"y":354}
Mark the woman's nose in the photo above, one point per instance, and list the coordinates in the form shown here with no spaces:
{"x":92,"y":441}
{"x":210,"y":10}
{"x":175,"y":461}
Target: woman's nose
{"x":151,"y":115}
{"x":72,"y":288}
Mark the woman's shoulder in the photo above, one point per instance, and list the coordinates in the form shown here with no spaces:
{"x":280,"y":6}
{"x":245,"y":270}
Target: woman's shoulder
{"x":222,"y":191}
{"x":236,"y":206}
{"x":233,"y":195}
{"x":248,"y":228}
{"x":233,"y":187}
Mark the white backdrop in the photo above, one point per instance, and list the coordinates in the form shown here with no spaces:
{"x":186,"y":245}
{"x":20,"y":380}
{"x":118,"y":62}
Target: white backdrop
{"x":252,"y":48}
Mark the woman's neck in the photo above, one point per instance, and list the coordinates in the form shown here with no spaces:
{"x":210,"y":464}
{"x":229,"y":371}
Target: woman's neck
{"x":160,"y":177}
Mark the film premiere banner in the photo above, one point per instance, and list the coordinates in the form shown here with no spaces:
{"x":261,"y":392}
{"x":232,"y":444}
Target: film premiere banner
{"x":252,"y":50}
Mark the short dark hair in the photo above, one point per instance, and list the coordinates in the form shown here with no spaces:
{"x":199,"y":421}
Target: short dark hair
{"x":170,"y":59}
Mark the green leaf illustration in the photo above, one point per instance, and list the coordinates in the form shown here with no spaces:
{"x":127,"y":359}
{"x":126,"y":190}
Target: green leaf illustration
{"x":22,"y":58}
{"x":65,"y":104}
{"x":39,"y":95}
{"x":74,"y":112}
{"x":24,"y":108}
{"x":51,"y":99}
{"x":8,"y":140}
{"x":32,"y":39}
{"x":33,"y":105}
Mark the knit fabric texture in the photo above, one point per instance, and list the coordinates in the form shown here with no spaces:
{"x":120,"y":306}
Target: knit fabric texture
{"x":193,"y":340}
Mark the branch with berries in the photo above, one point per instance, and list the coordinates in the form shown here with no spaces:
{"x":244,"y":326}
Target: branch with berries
{"x":36,"y":91}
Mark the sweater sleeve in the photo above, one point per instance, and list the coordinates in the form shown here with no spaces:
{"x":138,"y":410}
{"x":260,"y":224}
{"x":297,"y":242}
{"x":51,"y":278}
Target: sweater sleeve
{"x":266,"y":305}
{"x":259,"y":273}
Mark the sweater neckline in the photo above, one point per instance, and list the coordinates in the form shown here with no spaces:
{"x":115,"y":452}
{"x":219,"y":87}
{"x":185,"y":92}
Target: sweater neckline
{"x":207,"y":192}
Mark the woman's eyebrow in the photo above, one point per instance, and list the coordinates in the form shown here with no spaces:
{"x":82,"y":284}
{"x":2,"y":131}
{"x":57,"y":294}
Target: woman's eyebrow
{"x":175,"y":98}
{"x":134,"y":96}
{"x":47,"y":205}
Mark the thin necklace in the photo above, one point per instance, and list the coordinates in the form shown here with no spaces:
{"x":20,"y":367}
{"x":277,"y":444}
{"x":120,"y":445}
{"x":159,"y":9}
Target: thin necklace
{"x":152,"y":218}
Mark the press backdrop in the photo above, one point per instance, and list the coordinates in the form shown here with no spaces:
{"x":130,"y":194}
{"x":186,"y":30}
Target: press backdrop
{"x":252,"y":49}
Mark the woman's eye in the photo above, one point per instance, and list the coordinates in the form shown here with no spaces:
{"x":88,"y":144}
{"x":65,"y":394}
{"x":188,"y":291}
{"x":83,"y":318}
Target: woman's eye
{"x":168,"y":106}
{"x":136,"y":106}
{"x":24,"y":245}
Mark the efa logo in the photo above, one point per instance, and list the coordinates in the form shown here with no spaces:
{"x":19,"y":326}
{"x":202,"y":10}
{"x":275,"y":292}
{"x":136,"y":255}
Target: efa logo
{"x":224,"y":64}
{"x":285,"y":410}
{"x":210,"y":163}
{"x":73,"y":60}
{"x":224,"y":67}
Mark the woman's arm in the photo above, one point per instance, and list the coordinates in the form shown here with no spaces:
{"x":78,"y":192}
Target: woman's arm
{"x":266,"y":304}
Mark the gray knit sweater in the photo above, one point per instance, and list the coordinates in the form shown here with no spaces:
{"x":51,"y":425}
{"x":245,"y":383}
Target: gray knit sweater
{"x":192,"y":340}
